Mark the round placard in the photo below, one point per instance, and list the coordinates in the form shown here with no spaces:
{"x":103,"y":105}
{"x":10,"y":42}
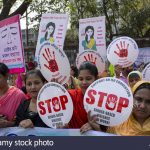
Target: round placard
{"x":53,"y":63}
{"x":122,"y":51}
{"x":110,"y":99}
{"x":54,"y":105}
{"x":93,"y":57}
{"x":146,"y":73}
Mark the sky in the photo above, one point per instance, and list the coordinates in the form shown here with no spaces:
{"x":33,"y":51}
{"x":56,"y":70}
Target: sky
{"x":23,"y":21}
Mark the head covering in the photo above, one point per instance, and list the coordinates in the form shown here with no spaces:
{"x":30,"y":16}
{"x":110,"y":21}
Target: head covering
{"x":135,"y":72}
{"x":139,"y":83}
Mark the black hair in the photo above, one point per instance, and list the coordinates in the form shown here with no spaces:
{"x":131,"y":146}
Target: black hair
{"x":86,"y":29}
{"x":134,"y":75}
{"x":90,"y":67}
{"x":36,"y":72}
{"x":50,"y":24}
{"x":75,"y":70}
{"x":143,"y":86}
{"x":3,"y":69}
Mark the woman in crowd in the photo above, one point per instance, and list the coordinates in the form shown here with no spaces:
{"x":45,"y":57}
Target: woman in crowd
{"x":88,"y":73}
{"x":134,"y":77}
{"x":27,"y":115}
{"x":139,"y":121}
{"x":10,"y":99}
{"x":122,"y":73}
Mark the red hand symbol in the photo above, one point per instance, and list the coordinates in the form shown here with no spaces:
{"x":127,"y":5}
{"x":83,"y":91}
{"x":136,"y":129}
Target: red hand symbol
{"x":52,"y":64}
{"x":90,"y":58}
{"x":123,"y":49}
{"x":111,"y":102}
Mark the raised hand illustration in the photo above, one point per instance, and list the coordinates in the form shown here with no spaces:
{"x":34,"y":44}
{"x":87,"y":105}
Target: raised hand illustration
{"x":90,"y":58}
{"x":111,"y":102}
{"x":123,"y":49}
{"x":56,"y":105}
{"x":52,"y":64}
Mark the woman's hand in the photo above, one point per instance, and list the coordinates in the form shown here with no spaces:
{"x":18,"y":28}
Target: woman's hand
{"x":4,"y":122}
{"x":86,"y":127}
{"x":91,"y":124}
{"x":26,"y":123}
{"x":92,"y":120}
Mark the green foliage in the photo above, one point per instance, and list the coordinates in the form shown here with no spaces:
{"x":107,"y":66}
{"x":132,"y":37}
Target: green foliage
{"x":126,"y":17}
{"x":46,"y":6}
{"x":7,"y":7}
{"x":82,"y":9}
{"x":123,"y":17}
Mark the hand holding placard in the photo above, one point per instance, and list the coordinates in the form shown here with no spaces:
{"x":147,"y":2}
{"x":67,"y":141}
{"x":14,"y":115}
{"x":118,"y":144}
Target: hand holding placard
{"x":55,"y":108}
{"x":110,"y":106}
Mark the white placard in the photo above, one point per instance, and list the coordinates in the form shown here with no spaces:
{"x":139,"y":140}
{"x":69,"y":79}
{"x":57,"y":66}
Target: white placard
{"x":11,"y":48}
{"x":93,"y":57}
{"x":52,"y":29}
{"x":92,"y":35}
{"x":54,"y":105}
{"x":146,"y":73}
{"x":122,"y":51}
{"x":110,"y":99}
{"x":53,"y":63}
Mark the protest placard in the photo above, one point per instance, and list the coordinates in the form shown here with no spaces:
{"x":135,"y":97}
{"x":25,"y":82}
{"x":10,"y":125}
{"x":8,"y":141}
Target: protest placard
{"x":93,"y":57}
{"x":110,"y":99}
{"x":122,"y":51}
{"x":11,"y":49}
{"x":54,"y":105}
{"x":53,"y":63}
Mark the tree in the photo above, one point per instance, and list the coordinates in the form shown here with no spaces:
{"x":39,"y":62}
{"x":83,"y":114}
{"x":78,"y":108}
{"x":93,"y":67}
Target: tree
{"x":137,"y":22}
{"x":6,"y":6}
{"x":126,"y":17}
{"x":79,"y":9}
{"x":46,"y":6}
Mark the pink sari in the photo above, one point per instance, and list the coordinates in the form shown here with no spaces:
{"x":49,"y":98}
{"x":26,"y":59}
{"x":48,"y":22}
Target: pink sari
{"x":10,"y":101}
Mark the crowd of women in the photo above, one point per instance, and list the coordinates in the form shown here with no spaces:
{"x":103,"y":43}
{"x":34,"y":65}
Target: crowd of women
{"x":19,"y":109}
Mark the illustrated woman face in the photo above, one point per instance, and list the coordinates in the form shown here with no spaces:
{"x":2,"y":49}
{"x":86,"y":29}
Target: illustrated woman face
{"x":9,"y":35}
{"x":50,"y":29}
{"x":89,"y":32}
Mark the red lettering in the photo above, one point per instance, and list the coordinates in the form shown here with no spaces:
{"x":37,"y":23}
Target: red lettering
{"x":101,"y":98}
{"x":42,"y":109}
{"x":56,"y":104}
{"x":111,"y":102}
{"x":63,"y":100}
{"x":48,"y":105}
{"x":91,"y":99}
{"x":123,"y":102}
